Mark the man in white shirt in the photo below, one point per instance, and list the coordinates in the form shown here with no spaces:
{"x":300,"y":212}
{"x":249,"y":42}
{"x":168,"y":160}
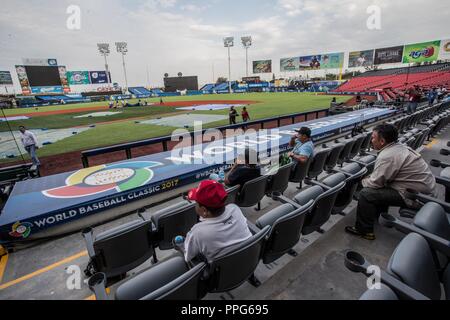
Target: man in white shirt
{"x":220,"y":226}
{"x":30,"y":144}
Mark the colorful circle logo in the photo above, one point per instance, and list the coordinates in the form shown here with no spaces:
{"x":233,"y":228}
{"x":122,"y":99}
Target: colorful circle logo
{"x":21,"y":230}
{"x":121,"y":177}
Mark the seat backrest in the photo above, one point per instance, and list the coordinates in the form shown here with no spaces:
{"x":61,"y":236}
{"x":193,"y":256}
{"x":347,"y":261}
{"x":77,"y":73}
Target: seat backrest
{"x":345,"y":196}
{"x":170,"y":279}
{"x":318,"y":162}
{"x":384,"y":293}
{"x":123,"y":248}
{"x":280,"y":181}
{"x":412,"y":263}
{"x":348,"y":146}
{"x":333,"y":156}
{"x":321,"y":211}
{"x":236,"y":264}
{"x":433,"y":219}
{"x":357,"y":146}
{"x":252,"y":192}
{"x":185,"y":287}
{"x":172,"y":221}
{"x":300,"y":171}
{"x":366,"y":143}
{"x":232,"y":194}
{"x":286,"y":223}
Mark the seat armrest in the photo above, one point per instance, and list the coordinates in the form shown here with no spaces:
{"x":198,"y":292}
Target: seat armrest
{"x":88,"y":236}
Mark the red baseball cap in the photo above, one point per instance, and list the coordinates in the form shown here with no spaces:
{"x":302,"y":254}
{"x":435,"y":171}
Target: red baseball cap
{"x":209,"y":193}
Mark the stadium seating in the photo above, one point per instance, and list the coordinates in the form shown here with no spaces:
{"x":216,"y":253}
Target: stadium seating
{"x":119,"y":250}
{"x":300,"y":172}
{"x":139,"y":91}
{"x":279,"y":182}
{"x":286,"y":223}
{"x":318,"y":162}
{"x":252,"y":192}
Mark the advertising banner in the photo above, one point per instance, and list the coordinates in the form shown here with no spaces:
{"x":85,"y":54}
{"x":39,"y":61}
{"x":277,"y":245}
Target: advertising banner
{"x":262,"y":66}
{"x":23,"y":79}
{"x":422,"y":52}
{"x":64,"y":82}
{"x":98,"y":77}
{"x":289,"y":64}
{"x":310,"y":62}
{"x":332,"y":61}
{"x":5,"y":78}
{"x":445,"y":50}
{"x":49,"y":89}
{"x":78,"y":77}
{"x":389,"y":55}
{"x":358,"y":59}
{"x":39,"y":62}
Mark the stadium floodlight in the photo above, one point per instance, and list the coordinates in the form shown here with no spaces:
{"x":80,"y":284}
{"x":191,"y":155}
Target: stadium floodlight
{"x":103,"y":48}
{"x":122,"y":47}
{"x":228,"y":42}
{"x":247,"y":43}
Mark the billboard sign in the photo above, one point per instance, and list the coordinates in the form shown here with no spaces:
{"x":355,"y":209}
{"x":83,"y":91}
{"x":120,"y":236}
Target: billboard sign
{"x":23,"y":79}
{"x":289,"y":64}
{"x":445,"y":50}
{"x":359,"y":59}
{"x":40,"y":62}
{"x":389,"y":55}
{"x":332,"y":61}
{"x":78,"y":77}
{"x":421,"y":52}
{"x":49,"y":89}
{"x":262,"y":66}
{"x":98,"y":77}
{"x":310,"y":62}
{"x":64,"y":81}
{"x":5,"y":78}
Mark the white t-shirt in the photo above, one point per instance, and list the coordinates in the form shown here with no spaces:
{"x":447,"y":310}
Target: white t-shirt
{"x":28,"y":138}
{"x":211,"y":236}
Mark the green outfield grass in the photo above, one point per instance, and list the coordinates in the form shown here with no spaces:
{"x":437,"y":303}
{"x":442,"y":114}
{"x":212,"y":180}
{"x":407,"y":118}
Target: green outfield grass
{"x":271,"y":105}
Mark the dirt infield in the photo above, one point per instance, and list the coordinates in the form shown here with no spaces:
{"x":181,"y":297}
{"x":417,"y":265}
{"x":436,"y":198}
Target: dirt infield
{"x":165,"y":104}
{"x":203,"y":102}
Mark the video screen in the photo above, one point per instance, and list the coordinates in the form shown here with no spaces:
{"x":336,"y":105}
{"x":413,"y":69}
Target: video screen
{"x":42,"y":76}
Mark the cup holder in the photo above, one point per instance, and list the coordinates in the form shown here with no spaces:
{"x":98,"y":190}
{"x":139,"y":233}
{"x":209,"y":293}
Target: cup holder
{"x":386,"y":220}
{"x":435,"y":163}
{"x":96,"y":280}
{"x":445,"y":152}
{"x":355,"y":262}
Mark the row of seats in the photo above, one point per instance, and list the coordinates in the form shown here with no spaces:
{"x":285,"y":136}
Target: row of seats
{"x":274,"y":234}
{"x":419,"y":267}
{"x":114,"y":252}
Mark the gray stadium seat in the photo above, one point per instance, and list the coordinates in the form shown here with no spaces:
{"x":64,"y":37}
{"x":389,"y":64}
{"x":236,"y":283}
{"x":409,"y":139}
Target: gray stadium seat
{"x":252,"y":192}
{"x":119,"y":250}
{"x":384,"y":293}
{"x":318,"y":163}
{"x":279,"y":181}
{"x":286,"y":223}
{"x":299,"y":172}
{"x":324,"y":194}
{"x":333,"y":156}
{"x":172,"y":221}
{"x":237,"y":264}
{"x":345,"y":154}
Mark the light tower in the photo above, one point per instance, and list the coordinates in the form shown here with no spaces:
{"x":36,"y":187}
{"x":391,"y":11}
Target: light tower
{"x":122,"y":48}
{"x":228,"y":43}
{"x":247,"y":43}
{"x":103,"y":48}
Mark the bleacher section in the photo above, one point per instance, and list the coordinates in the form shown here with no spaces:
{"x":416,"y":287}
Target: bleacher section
{"x":399,"y":79}
{"x":140,"y":91}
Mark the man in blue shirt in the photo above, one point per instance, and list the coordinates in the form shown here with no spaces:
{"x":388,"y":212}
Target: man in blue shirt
{"x":302,"y":144}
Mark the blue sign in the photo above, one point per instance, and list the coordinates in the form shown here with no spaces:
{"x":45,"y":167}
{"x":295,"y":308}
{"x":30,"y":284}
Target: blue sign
{"x":52,"y":89}
{"x":39,"y":204}
{"x":99,"y":77}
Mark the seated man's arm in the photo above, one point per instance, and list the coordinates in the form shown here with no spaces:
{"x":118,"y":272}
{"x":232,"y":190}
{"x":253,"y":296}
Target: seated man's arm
{"x":300,"y":158}
{"x":384,"y":172}
{"x":305,"y":152}
{"x":293,"y":142}
{"x":232,"y":177}
{"x":190,"y":248}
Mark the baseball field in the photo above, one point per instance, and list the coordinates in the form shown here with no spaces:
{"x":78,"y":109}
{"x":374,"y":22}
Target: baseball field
{"x":125,"y":124}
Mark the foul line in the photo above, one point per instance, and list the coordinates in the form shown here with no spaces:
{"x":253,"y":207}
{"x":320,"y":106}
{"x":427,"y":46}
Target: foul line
{"x":3,"y":262}
{"x":43,"y":270}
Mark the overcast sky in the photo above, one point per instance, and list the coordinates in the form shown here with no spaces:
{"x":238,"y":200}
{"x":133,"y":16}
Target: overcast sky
{"x":187,"y":35}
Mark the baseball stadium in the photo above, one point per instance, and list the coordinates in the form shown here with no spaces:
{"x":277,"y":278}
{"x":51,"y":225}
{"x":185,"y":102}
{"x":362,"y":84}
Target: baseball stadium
{"x":292,"y":173}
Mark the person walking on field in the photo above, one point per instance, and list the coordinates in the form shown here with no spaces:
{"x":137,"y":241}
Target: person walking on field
{"x":30,"y":144}
{"x":233,"y":114}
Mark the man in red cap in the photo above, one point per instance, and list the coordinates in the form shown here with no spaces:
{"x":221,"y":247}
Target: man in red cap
{"x":220,"y":226}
